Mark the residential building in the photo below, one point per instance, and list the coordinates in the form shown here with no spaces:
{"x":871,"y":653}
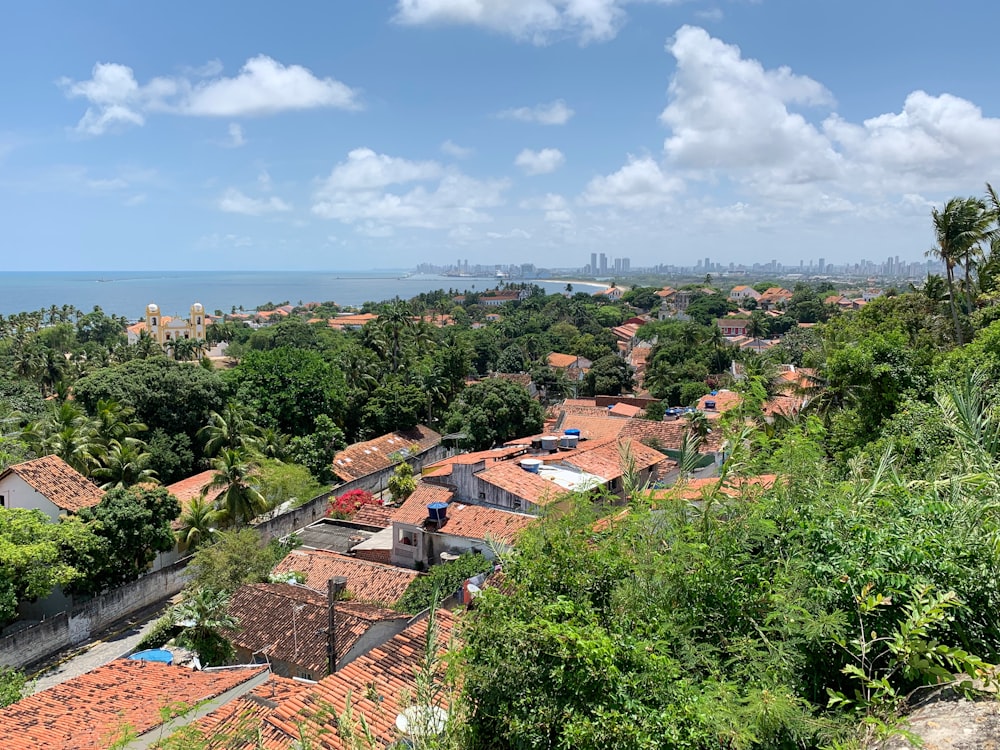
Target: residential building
{"x":286,"y":626}
{"x":612,"y":293}
{"x":733,"y":326}
{"x":774,"y":298}
{"x":383,"y":453}
{"x":574,"y":367}
{"x":48,"y":484}
{"x":366,"y":581}
{"x":741,"y":293}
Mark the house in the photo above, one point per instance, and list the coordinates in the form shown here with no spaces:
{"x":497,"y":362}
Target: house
{"x":351,"y":322}
{"x":198,"y":485}
{"x":574,"y":367}
{"x":627,"y":335}
{"x":48,"y":484}
{"x":121,"y":699}
{"x":420,"y":540}
{"x":666,"y":293}
{"x":366,"y":581}
{"x":733,"y":326}
{"x":718,"y":402}
{"x":286,"y":626}
{"x":377,"y":688}
{"x":773,"y":298}
{"x":498,"y":299}
{"x":379,"y":455}
{"x":741,"y":293}
{"x":612,"y":293}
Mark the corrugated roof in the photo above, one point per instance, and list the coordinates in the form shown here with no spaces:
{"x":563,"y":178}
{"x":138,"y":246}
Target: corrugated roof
{"x":64,"y":486}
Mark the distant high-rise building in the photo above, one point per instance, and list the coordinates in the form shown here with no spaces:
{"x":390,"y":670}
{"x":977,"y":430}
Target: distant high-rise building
{"x":618,"y":265}
{"x":626,"y":264}
{"x":604,"y":263}
{"x":822,"y":265}
{"x":708,"y":264}
{"x":593,"y":262}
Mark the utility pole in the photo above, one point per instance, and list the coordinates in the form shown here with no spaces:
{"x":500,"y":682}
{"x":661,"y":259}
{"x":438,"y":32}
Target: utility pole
{"x":334,"y":588}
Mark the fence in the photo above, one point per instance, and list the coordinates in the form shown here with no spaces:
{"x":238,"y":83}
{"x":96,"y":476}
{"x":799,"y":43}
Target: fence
{"x":35,"y":642}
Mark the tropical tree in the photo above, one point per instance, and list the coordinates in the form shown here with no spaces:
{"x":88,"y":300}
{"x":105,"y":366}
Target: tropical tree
{"x":204,"y":615}
{"x":240,"y":499}
{"x":231,"y":428}
{"x":125,"y":464}
{"x":198,"y":523}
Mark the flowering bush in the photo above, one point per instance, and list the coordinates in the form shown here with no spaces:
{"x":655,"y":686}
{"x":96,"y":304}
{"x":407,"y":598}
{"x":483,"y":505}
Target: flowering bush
{"x":347,"y":504}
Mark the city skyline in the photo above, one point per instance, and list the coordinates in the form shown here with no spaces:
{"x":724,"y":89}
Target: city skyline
{"x":353,"y":136}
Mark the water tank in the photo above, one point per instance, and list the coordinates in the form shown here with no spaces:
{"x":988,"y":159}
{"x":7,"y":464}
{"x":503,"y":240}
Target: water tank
{"x":153,"y":654}
{"x":709,"y":404}
{"x":437,"y":511}
{"x":549,"y":442}
{"x":531,"y":464}
{"x":571,"y":440}
{"x":536,"y":444}
{"x":572,"y":431}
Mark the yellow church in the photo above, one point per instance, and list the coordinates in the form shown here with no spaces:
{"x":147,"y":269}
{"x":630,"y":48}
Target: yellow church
{"x":164,"y":328}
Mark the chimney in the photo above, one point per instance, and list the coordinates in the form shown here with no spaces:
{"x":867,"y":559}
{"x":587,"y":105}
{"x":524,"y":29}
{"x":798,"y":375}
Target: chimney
{"x":334,"y":588}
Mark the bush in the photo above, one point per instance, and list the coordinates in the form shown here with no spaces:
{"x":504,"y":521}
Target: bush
{"x":162,"y":631}
{"x":442,"y":581}
{"x":350,"y":502}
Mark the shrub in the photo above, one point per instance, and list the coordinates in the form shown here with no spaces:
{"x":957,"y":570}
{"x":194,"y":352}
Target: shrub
{"x":442,"y":581}
{"x":162,"y":631}
{"x":350,"y":502}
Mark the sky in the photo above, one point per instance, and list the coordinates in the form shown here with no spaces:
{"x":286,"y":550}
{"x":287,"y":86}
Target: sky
{"x":358,"y":134}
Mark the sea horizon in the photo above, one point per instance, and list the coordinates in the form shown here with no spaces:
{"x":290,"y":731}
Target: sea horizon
{"x":127,"y":292}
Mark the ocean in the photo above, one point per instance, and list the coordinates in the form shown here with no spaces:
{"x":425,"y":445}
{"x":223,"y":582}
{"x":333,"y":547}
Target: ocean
{"x":128,"y":292}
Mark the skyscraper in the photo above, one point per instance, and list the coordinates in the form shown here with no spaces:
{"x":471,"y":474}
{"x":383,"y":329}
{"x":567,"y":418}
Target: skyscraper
{"x":593,"y":262}
{"x":604,"y":263}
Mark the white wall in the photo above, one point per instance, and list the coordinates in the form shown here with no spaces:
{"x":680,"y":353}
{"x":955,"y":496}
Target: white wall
{"x":19,"y":494}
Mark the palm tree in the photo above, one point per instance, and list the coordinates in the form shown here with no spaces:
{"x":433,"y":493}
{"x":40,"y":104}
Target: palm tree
{"x":125,"y":464}
{"x":204,"y":614}
{"x":240,"y":500}
{"x":228,"y":429}
{"x":198,"y":524}
{"x":114,"y":422}
{"x":959,"y":228}
{"x":757,"y":327}
{"x":395,"y":320}
{"x":66,"y":431}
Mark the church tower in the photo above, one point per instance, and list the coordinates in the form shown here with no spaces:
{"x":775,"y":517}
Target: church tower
{"x":197,"y":321}
{"x":153,"y":322}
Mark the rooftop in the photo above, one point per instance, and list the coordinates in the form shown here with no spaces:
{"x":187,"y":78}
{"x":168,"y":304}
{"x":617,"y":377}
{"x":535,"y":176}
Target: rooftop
{"x":361,"y":459}
{"x":333,"y":535}
{"x":366,"y":581}
{"x":551,"y":481}
{"x":91,"y":711}
{"x":64,"y":486}
{"x":469,"y":521}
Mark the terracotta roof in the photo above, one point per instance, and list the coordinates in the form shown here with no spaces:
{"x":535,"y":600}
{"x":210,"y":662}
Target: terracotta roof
{"x":724,"y":401}
{"x":239,"y":718}
{"x":523,"y":484}
{"x":64,"y":486}
{"x":625,"y":410}
{"x":488,"y":457}
{"x":666,"y":292}
{"x":352,"y":321}
{"x":627,"y":331}
{"x":362,"y":459}
{"x":561,"y":361}
{"x":379,"y":684}
{"x":91,"y":711}
{"x":580,"y":402}
{"x":694,"y":489}
{"x":470,"y":521}
{"x":606,"y":460}
{"x":366,"y":581}
{"x":669,"y":435}
{"x":137,"y":328}
{"x":373,"y":515}
{"x":288,"y":623}
{"x":188,"y":489}
{"x":414,"y":510}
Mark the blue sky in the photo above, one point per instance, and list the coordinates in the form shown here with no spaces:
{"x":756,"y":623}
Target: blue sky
{"x":358,"y":134}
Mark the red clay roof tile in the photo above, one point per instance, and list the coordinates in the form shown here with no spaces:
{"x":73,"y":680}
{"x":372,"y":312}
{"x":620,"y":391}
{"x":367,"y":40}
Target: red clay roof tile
{"x":63,"y":485}
{"x":366,"y":581}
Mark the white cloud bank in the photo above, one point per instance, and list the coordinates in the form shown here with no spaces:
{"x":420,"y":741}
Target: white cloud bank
{"x":536,"y":21}
{"x":554,"y":113}
{"x":236,"y":202}
{"x":540,"y":162}
{"x":373,"y":192}
{"x":263,"y":86}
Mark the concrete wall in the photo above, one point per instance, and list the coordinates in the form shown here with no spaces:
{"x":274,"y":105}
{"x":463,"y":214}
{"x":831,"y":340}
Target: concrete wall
{"x":19,"y":494}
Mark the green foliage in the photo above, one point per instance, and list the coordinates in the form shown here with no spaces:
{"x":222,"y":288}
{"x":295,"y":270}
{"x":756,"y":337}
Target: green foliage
{"x":131,"y":527}
{"x":442,"y":581}
{"x":402,"y":483}
{"x":316,"y":450}
{"x":236,"y":558}
{"x":609,"y":375}
{"x":287,"y":483}
{"x":393,"y":406}
{"x":203,"y":617}
{"x":13,"y":686}
{"x":163,"y":630}
{"x":33,"y":556}
{"x":493,"y":412}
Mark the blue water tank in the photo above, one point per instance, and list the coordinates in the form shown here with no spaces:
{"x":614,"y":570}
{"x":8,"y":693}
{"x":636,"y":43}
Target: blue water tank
{"x":572,"y":431}
{"x":437,"y":511}
{"x":153,"y":654}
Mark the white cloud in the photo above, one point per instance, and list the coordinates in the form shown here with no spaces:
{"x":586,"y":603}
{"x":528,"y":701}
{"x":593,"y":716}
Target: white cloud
{"x":555,"y":208}
{"x":367,"y":190}
{"x":554,"y":113}
{"x":540,"y":162}
{"x":236,"y":202}
{"x":455,"y":151}
{"x":365,"y":169}
{"x":263,"y":86}
{"x":537,"y":21}
{"x":236,"y":137}
{"x":730,"y":113}
{"x":135,"y":200}
{"x":639,"y":184}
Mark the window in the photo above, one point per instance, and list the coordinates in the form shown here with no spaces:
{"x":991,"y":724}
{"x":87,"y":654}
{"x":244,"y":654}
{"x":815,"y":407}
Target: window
{"x":482,"y":495}
{"x":407,"y":537}
{"x":198,"y":320}
{"x":152,"y":321}
{"x":3,"y":501}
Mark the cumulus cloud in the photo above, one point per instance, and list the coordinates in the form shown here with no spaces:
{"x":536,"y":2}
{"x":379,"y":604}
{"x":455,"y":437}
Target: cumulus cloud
{"x":371,"y":190}
{"x":236,"y":137}
{"x":554,"y":113}
{"x":236,"y":202}
{"x":455,"y":151}
{"x":263,"y":86}
{"x":540,"y":162}
{"x":639,"y":184}
{"x":727,"y":112}
{"x":536,"y":21}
